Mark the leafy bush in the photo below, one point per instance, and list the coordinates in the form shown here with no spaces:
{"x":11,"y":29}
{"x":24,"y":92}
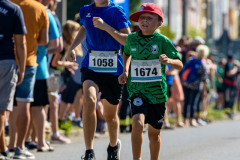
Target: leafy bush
{"x":165,"y":30}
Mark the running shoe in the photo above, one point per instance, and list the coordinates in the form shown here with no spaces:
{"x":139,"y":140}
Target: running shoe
{"x":114,"y":154}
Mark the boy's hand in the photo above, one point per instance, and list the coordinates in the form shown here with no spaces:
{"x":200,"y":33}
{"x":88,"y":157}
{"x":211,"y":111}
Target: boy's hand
{"x":122,"y":79}
{"x":164,"y":59}
{"x":99,"y":23}
{"x":71,"y":56}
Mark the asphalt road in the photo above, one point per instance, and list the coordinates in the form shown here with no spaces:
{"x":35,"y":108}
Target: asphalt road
{"x":217,"y":141}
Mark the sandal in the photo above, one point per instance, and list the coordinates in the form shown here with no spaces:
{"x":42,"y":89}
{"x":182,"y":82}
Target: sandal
{"x":49,"y":149}
{"x":180,"y":124}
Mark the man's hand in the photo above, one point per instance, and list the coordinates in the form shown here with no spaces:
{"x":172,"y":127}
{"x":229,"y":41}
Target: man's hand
{"x":20,"y":77}
{"x":71,"y":56}
{"x":164,"y":59}
{"x":122,"y":79}
{"x":99,"y":23}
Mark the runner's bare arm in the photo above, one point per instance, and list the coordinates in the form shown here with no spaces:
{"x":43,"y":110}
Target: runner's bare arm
{"x":122,"y":79}
{"x":79,"y":38}
{"x":120,"y":36}
{"x":175,"y":63}
{"x":126,"y":62}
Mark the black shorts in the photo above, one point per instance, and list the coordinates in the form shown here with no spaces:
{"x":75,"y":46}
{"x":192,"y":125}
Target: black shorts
{"x":220,"y":90}
{"x":70,"y":91}
{"x":40,"y":93}
{"x":169,"y":91}
{"x":154,"y":113}
{"x":107,"y":83}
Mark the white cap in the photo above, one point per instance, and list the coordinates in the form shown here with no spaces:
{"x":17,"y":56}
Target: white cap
{"x":198,"y":40}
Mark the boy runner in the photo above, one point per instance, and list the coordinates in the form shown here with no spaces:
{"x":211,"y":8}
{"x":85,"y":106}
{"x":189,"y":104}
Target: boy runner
{"x":105,"y":26}
{"x":149,"y":52}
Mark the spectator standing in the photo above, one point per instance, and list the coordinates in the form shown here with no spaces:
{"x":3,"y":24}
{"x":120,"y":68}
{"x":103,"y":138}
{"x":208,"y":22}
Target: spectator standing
{"x":13,"y":27}
{"x":230,"y":85}
{"x":38,"y":113}
{"x":36,"y":21}
{"x":178,"y":98}
{"x":193,"y":74}
{"x":219,"y":84}
{"x":54,"y":81}
{"x":170,"y":72}
{"x":73,"y":84}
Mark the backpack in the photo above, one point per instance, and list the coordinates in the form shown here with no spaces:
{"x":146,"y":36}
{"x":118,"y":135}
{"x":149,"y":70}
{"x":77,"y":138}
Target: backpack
{"x":189,"y":72}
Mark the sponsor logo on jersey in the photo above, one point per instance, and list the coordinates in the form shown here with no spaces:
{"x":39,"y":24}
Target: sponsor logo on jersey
{"x":88,"y":15}
{"x":154,"y":49}
{"x":133,"y":49}
{"x":3,"y":11}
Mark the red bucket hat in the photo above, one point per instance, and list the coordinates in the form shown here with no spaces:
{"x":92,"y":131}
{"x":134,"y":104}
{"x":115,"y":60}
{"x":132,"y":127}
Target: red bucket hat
{"x":147,"y":8}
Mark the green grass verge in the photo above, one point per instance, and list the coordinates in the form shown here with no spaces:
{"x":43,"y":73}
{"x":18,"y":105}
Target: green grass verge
{"x":212,"y":114}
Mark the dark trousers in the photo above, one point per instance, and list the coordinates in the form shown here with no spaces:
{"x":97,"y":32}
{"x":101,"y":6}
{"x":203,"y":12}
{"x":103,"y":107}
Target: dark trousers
{"x":230,"y":93}
{"x":191,"y":99}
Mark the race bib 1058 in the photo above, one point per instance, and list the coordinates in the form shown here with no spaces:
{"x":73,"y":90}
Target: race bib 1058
{"x":103,"y":61}
{"x":146,"y":71}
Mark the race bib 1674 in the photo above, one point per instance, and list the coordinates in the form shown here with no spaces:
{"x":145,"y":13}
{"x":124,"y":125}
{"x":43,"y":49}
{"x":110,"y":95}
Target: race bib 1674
{"x":146,"y":71}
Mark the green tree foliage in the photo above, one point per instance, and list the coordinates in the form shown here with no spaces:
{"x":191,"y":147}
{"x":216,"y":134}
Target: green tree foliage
{"x":193,"y":32}
{"x":134,"y":5}
{"x":166,"y":31}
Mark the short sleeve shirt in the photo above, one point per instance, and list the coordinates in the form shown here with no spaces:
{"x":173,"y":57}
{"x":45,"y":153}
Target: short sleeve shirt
{"x":98,"y":39}
{"x":142,"y":47}
{"x":36,"y":19}
{"x":229,"y":67}
{"x":169,"y":78}
{"x":59,"y":26}
{"x":42,"y":69}
{"x":12,"y":22}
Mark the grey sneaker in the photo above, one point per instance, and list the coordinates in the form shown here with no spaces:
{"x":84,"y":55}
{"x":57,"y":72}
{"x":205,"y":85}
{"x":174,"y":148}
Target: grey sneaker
{"x":115,"y":154}
{"x":22,"y":154}
{"x":4,"y":157}
{"x":90,"y":156}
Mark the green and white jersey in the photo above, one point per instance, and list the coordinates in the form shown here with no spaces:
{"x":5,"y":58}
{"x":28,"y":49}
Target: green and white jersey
{"x":147,"y":76}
